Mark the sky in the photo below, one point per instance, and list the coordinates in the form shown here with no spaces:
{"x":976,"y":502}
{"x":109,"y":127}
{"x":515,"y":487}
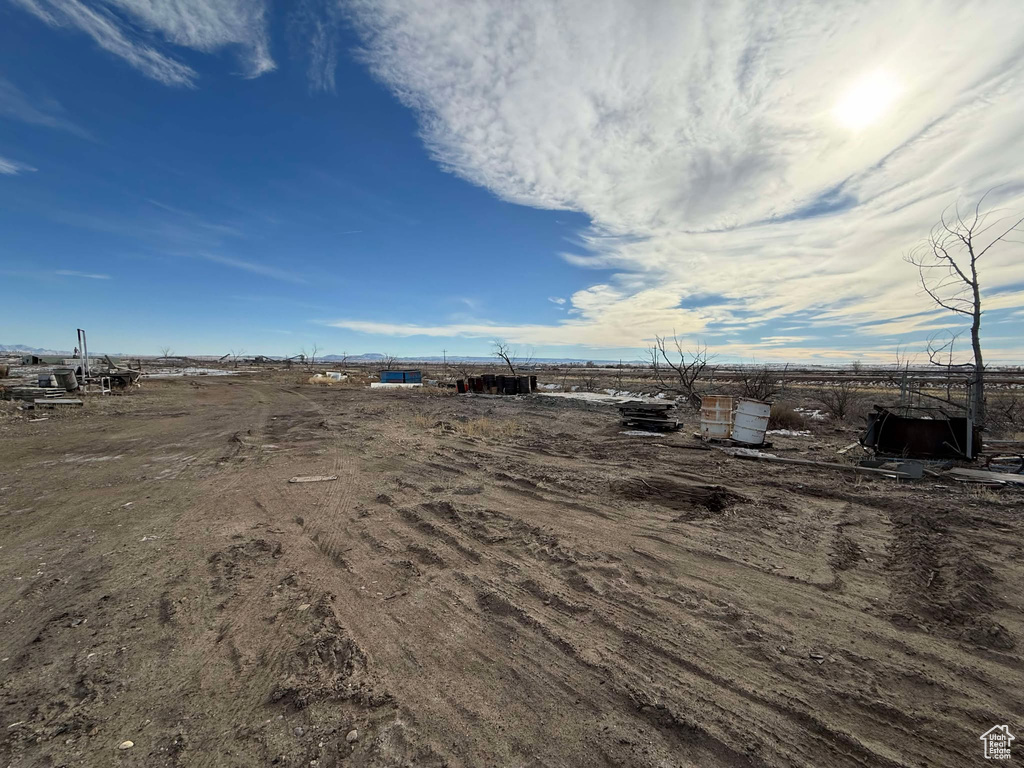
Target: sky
{"x":572,"y":176}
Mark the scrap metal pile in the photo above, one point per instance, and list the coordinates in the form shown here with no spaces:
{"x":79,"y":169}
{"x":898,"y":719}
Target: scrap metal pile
{"x":650,"y":417}
{"x":497,"y":384}
{"x":78,"y":373}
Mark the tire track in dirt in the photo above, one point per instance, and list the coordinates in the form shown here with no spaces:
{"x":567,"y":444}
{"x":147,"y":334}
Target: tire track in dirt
{"x":271,"y":667}
{"x":824,"y":737}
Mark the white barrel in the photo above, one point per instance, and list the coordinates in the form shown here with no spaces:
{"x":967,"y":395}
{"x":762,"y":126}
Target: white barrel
{"x":715,"y":417}
{"x":750,"y":421}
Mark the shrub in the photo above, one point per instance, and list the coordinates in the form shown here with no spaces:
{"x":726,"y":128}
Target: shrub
{"x":839,"y":398}
{"x":760,"y":383}
{"x":784,"y":417}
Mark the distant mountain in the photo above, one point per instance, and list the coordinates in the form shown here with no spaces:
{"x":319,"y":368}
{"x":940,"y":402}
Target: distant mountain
{"x":21,"y":349}
{"x":366,"y":357}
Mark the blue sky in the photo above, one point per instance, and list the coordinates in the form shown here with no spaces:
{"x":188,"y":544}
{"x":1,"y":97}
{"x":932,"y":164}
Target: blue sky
{"x":403,"y":177}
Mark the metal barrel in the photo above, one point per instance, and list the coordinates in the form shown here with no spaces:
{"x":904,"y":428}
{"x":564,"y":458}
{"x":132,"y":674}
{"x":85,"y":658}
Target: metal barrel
{"x":716,"y":417}
{"x":524,"y":385}
{"x":750,"y":421}
{"x":66,"y":378}
{"x":533,"y":383}
{"x":460,"y":387}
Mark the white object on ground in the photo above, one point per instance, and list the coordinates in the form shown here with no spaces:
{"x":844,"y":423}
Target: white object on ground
{"x":641,"y":433}
{"x":595,"y":397}
{"x":391,"y":385}
{"x":789,"y":432}
{"x":750,"y":420}
{"x":173,"y":373}
{"x":313,"y":479}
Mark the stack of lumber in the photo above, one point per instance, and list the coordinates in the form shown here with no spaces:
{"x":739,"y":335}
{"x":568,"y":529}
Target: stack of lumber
{"x":652,"y":417}
{"x":52,"y":402}
{"x":30,"y":394}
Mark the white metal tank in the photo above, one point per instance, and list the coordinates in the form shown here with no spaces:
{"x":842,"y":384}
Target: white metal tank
{"x":715,"y":417}
{"x":750,"y":421}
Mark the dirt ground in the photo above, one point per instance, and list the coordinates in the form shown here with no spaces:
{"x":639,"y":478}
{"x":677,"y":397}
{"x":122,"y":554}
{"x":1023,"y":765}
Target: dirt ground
{"x":489,"y":582}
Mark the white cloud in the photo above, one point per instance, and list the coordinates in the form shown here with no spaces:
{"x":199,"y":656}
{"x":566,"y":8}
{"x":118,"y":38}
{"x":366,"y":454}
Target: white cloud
{"x":556,"y":300}
{"x":745,"y":150}
{"x":314,"y":26}
{"x":254,"y":267}
{"x":73,"y":273}
{"x":13,"y":167}
{"x":128,"y":28}
{"x":16,"y":105}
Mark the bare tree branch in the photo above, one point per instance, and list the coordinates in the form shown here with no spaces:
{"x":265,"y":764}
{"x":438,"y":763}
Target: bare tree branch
{"x":501,"y":349}
{"x":947,"y":264}
{"x":687,"y":366}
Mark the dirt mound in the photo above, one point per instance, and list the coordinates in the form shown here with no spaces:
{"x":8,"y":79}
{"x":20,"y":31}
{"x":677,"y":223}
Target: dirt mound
{"x":694,"y":500}
{"x":325,"y":665}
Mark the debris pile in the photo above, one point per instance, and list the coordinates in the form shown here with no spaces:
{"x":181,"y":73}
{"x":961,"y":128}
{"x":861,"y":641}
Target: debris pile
{"x":650,"y":417}
{"x":497,"y":384}
{"x":31,"y":394}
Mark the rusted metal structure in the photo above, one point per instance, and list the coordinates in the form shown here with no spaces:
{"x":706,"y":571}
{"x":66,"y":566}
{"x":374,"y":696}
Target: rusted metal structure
{"x":921,"y":433}
{"x":491,"y":384}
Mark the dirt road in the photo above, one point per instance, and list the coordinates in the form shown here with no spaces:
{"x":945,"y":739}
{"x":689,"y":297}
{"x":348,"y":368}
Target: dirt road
{"x":489,"y":582}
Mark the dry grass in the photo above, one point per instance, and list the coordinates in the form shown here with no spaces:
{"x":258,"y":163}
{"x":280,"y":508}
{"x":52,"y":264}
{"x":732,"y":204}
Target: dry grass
{"x":784,"y":417}
{"x":436,"y":391}
{"x":982,"y":493}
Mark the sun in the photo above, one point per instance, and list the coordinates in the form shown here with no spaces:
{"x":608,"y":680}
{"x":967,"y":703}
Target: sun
{"x":866,"y":101}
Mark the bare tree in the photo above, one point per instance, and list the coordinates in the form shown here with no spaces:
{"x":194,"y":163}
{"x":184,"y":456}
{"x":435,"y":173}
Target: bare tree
{"x":619,"y":380}
{"x":389,"y":362}
{"x":760,"y":382}
{"x":312,"y":355}
{"x":166,"y":352}
{"x":838,"y":398}
{"x":502,"y":350}
{"x":589,"y":376}
{"x":687,"y":368}
{"x":235,"y":354}
{"x":947,"y":263}
{"x":463,"y":370}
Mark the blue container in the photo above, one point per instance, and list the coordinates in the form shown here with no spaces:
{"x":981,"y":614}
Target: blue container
{"x":401,"y":377}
